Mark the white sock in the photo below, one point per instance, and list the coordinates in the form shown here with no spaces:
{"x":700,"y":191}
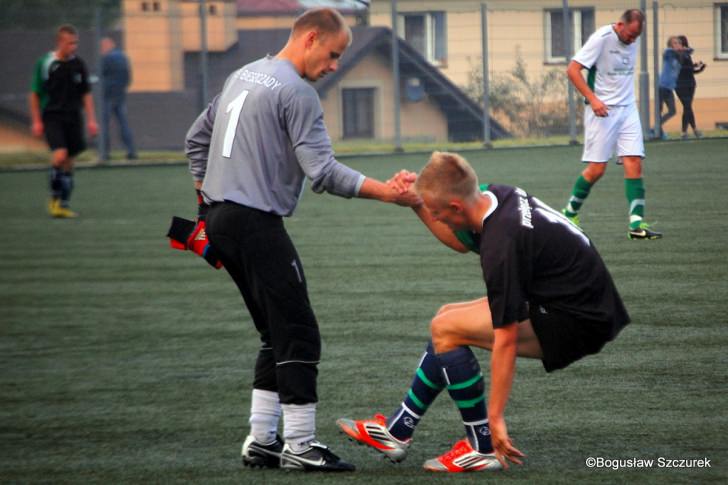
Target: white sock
{"x":265,"y":412}
{"x":299,"y":425}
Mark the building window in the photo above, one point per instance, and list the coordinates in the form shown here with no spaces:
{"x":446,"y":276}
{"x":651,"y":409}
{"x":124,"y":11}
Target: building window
{"x":212,"y":9}
{"x":582,"y":26}
{"x":721,"y":31}
{"x":145,"y":6}
{"x":358,"y":112}
{"x":156,"y":7}
{"x":427,"y":33}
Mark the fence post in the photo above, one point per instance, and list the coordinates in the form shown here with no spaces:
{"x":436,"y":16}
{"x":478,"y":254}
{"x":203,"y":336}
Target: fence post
{"x":656,"y":69}
{"x":203,"y":55}
{"x":569,"y":86}
{"x":486,"y":81}
{"x":102,"y":137}
{"x":644,"y":78}
{"x":395,"y":75}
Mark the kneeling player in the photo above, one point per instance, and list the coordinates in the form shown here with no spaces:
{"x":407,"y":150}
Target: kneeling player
{"x":549,"y":297}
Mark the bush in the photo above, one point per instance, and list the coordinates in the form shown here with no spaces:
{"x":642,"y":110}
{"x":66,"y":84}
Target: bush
{"x":526,"y":105}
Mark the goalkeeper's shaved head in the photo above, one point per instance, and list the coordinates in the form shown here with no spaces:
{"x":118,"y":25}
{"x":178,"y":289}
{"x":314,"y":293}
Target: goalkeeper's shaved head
{"x":447,"y":176}
{"x":325,"y":21}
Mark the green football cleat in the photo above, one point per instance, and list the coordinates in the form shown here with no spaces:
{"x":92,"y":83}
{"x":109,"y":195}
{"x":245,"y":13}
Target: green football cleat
{"x":574,"y":219}
{"x":643,"y":232}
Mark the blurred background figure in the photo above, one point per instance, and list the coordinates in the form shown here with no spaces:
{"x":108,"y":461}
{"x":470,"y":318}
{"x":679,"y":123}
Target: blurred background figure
{"x":116,"y":73}
{"x":60,"y":93}
{"x":686,"y":86}
{"x":668,"y":78}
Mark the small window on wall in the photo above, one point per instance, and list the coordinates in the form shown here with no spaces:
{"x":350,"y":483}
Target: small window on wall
{"x":156,"y":6}
{"x":358,"y":112}
{"x":145,"y":6}
{"x":582,"y":26}
{"x":721,"y":31}
{"x":212,"y":9}
{"x":427,"y":33}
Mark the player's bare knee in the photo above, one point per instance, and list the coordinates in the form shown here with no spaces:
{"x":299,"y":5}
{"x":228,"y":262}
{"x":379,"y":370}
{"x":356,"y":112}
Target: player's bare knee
{"x":594,"y":171}
{"x":440,"y":333}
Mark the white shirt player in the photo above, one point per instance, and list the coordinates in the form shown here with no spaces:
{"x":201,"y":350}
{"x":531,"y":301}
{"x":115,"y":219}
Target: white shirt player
{"x":614,"y":63}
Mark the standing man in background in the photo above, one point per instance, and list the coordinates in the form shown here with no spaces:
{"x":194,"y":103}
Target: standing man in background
{"x":116,"y":74}
{"x":250,"y":152}
{"x":612,"y":125}
{"x":60,"y":90}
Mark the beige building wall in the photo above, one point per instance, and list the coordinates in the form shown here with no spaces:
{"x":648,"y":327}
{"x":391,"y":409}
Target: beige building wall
{"x":153,"y":42}
{"x":221,"y":30}
{"x":520,"y":26}
{"x":417,"y":120}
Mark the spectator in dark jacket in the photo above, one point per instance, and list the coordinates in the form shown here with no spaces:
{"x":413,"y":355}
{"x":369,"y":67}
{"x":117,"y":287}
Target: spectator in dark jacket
{"x":685,"y":89}
{"x":116,"y":74}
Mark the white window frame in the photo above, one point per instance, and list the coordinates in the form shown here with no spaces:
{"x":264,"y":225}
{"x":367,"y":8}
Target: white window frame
{"x":719,"y":53}
{"x":576,"y":40}
{"x":430,"y":33}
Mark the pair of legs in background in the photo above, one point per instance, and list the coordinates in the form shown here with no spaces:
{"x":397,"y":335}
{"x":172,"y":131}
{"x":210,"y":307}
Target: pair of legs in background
{"x":618,"y":133}
{"x":447,"y":364}
{"x":260,"y":257}
{"x":668,"y":99}
{"x":686,"y":94}
{"x":116,"y":106}
{"x":65,"y":137}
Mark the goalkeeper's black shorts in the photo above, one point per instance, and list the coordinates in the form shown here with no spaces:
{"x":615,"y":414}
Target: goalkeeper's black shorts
{"x":256,"y":250}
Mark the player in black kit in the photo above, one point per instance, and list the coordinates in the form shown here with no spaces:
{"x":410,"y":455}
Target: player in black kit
{"x":549,"y":297}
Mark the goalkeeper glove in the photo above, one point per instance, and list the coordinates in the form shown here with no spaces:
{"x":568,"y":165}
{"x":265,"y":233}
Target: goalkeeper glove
{"x":188,"y":235}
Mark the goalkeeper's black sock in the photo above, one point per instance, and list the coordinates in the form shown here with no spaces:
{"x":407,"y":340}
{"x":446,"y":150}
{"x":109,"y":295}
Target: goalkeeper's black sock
{"x":465,"y":386}
{"x":426,"y":385}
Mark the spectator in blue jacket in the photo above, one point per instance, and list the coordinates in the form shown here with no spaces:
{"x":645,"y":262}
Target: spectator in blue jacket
{"x":116,"y":74}
{"x":668,"y":78}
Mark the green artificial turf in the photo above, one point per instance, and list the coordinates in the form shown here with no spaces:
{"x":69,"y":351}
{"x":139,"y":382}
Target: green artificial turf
{"x":124,"y":361}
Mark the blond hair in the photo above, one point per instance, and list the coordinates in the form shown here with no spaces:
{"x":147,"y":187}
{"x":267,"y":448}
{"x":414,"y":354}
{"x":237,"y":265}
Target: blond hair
{"x":448,"y":175}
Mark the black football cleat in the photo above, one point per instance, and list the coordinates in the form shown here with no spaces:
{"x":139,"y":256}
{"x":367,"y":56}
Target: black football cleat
{"x":643,"y":232}
{"x":256,"y":455}
{"x":316,"y":458}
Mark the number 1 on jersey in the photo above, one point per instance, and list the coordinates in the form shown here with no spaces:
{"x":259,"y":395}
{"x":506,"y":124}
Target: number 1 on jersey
{"x":235,"y":106}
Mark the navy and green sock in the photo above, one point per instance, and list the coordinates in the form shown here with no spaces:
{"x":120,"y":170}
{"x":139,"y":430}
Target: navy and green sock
{"x":457,"y":370}
{"x":467,"y":390}
{"x":427,"y":383}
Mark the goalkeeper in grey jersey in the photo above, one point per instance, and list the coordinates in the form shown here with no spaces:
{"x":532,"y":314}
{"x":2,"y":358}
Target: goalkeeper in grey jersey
{"x":250,"y":152}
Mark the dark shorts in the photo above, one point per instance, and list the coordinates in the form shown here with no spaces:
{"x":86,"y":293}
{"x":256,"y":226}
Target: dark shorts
{"x":64,"y":130}
{"x":260,"y":257}
{"x":564,"y":339}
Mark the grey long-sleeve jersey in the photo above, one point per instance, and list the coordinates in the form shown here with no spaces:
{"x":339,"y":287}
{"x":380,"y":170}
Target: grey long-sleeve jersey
{"x":261,"y":136}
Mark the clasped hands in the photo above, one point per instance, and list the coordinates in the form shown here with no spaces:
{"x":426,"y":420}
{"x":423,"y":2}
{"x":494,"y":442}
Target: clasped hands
{"x":402,"y":183}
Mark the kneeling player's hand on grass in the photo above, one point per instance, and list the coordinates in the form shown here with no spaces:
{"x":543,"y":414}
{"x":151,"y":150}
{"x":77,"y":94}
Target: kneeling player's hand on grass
{"x":502,"y":444}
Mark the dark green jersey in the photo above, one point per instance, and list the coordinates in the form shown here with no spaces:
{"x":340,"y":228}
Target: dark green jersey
{"x":59,"y":84}
{"x":471,"y":239}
